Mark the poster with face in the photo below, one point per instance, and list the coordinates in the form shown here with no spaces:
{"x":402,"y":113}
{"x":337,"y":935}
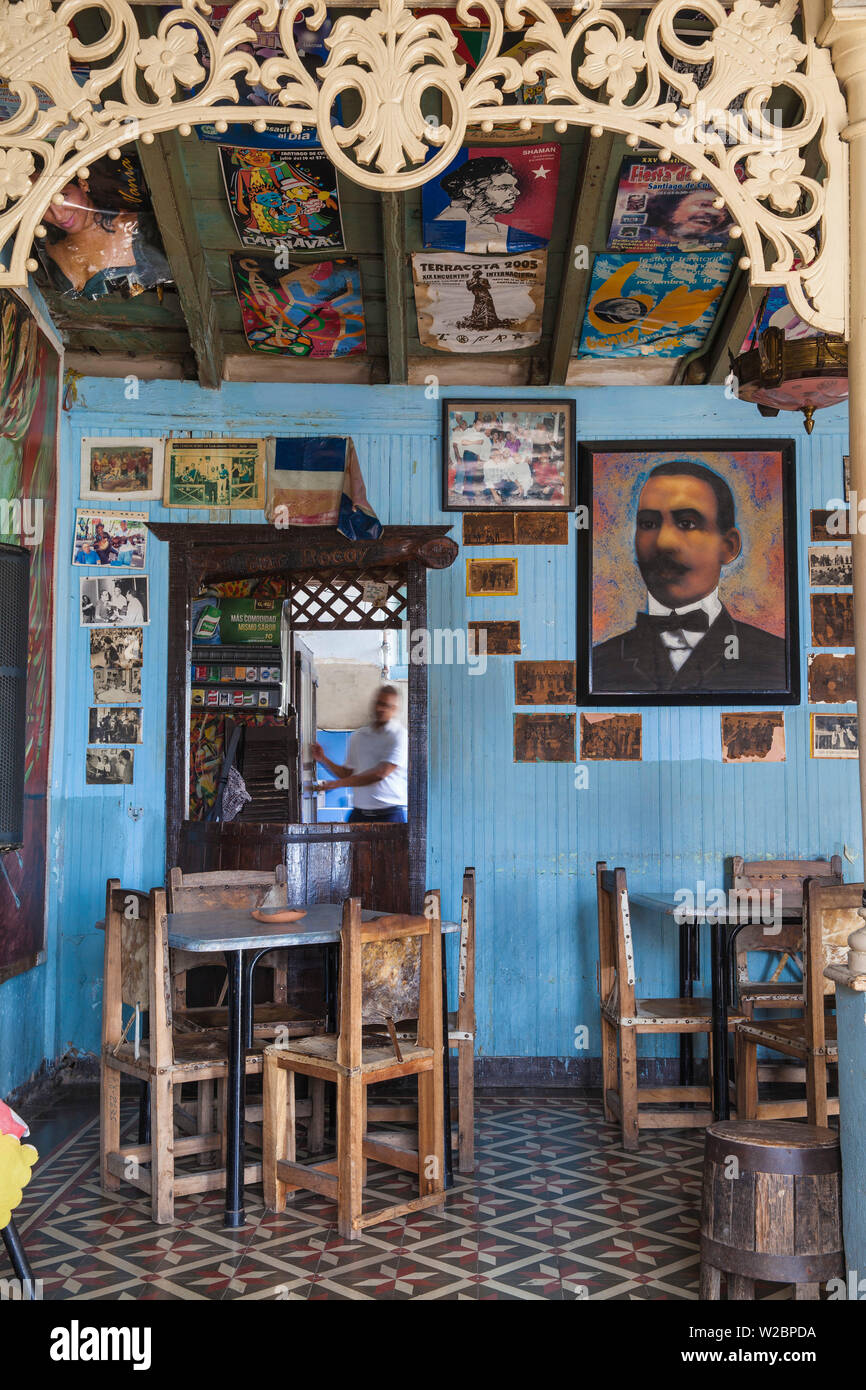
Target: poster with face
{"x":660,"y":305}
{"x":688,"y":587}
{"x":474,"y":304}
{"x":278,"y":199}
{"x":493,"y":200}
{"x":659,"y":206}
{"x":314,"y":310}
{"x":776,"y":312}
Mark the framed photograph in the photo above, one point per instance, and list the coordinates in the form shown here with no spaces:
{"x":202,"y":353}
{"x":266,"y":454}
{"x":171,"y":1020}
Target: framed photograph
{"x":112,"y":685}
{"x":490,"y":578}
{"x":117,"y":540}
{"x":687,"y":583}
{"x":121,"y":469}
{"x":753,"y":738}
{"x":215,"y":473}
{"x":109,"y":767}
{"x":831,"y":566}
{"x":120,"y":647}
{"x":110,"y":725}
{"x":834,"y":735}
{"x":110,"y":601}
{"x":507,"y":455}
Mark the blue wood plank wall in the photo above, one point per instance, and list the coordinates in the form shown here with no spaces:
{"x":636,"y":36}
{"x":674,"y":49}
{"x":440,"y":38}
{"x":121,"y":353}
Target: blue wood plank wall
{"x":532,"y":836}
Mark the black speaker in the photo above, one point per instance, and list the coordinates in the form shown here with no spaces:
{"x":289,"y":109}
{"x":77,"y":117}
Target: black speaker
{"x":14,"y":611}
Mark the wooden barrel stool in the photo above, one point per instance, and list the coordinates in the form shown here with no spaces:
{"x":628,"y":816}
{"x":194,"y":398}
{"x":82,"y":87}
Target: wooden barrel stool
{"x":771,"y":1209}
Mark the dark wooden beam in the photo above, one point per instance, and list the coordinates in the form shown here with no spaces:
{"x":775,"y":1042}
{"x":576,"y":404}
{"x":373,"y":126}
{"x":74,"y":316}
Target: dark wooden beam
{"x":588,"y":207}
{"x":162,"y":163}
{"x":396,"y":299}
{"x":732,"y":330}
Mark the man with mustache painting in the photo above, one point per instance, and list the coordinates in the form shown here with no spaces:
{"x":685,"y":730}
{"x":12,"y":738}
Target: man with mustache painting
{"x":687,"y":640}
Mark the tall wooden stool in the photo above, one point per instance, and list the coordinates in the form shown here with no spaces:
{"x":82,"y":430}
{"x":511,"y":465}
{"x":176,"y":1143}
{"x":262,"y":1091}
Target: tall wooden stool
{"x":772,"y":1207}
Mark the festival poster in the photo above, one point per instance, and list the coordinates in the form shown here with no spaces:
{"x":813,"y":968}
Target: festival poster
{"x":313,"y":310}
{"x":493,"y":200}
{"x":660,"y":207}
{"x":776,"y":312}
{"x":479,"y":304}
{"x":282,"y":199}
{"x":658,"y":306}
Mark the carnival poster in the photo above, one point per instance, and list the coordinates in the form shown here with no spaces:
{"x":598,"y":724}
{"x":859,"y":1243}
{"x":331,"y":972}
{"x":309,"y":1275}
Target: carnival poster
{"x":313,"y":310}
{"x":660,"y":305}
{"x":479,"y":303}
{"x":281,"y":199}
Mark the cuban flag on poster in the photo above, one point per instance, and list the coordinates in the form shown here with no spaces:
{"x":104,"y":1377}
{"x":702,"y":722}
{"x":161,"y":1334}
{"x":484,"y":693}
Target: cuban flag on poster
{"x":493,"y":201}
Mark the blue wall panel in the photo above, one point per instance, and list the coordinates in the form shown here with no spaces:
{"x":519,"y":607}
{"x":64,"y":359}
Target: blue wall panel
{"x":533,"y":837}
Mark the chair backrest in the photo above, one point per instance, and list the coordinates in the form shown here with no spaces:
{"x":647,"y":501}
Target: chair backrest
{"x":390,"y":968}
{"x":830,"y":917}
{"x":136,"y":966}
{"x":466,"y":956}
{"x":784,"y":880}
{"x":616,"y":968}
{"x":219,"y":888}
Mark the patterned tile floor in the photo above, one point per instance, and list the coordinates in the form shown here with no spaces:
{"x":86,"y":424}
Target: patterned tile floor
{"x":555,"y":1210}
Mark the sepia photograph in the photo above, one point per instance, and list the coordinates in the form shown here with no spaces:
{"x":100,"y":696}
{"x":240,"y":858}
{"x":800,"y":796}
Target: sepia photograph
{"x":112,"y":685}
{"x":105,"y":767}
{"x":544,"y":738}
{"x":544,"y":683}
{"x":541,"y":528}
{"x":121,"y":647}
{"x":114,"y":602}
{"x":834,"y":736}
{"x":116,"y":539}
{"x":753,"y":738}
{"x":215,"y":473}
{"x":502,"y":637}
{"x":121,"y":468}
{"x":827,"y":525}
{"x":687,"y":586}
{"x":488,"y":528}
{"x":507,"y":455}
{"x":831,"y":679}
{"x":611,"y":737}
{"x":111,"y":725}
{"x":489,"y":578}
{"x":830,"y":566}
{"x":832,"y":620}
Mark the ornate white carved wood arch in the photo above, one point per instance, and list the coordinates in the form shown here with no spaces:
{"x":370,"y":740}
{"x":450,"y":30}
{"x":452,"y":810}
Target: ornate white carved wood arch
{"x":794,"y":227}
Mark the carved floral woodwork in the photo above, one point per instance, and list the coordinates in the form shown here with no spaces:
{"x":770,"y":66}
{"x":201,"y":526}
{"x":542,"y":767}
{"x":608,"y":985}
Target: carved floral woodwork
{"x":397,"y":66}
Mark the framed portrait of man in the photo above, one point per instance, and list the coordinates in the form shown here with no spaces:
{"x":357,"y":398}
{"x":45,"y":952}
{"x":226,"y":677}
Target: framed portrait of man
{"x":687,"y":580}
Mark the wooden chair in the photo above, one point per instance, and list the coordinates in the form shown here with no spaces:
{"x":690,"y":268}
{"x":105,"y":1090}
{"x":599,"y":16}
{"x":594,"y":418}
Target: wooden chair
{"x":624,"y":1018}
{"x":241,"y":888}
{"x":137,"y":974}
{"x":378,"y":959}
{"x":784,"y":878}
{"x":830,"y":916}
{"x":461,"y":1035}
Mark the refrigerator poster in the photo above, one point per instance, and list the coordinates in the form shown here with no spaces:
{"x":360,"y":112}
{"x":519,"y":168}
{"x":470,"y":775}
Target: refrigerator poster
{"x":660,"y":207}
{"x":479,"y":304}
{"x":659,"y":305}
{"x":313,"y":310}
{"x":493,"y":200}
{"x":282,"y":199}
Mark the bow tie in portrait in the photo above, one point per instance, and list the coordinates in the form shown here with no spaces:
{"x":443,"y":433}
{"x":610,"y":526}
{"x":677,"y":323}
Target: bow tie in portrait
{"x":695,"y":621}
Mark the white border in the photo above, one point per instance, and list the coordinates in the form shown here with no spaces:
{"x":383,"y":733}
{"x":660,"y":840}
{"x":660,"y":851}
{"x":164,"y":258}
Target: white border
{"x":93,"y":441}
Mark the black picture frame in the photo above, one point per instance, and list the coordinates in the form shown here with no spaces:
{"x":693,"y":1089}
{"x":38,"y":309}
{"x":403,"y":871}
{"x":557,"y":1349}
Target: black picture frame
{"x":590,"y":692}
{"x":475,"y":502}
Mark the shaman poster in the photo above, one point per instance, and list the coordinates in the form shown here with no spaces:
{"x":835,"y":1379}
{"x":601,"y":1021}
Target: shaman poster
{"x":660,"y":207}
{"x":493,"y":200}
{"x":658,"y":305}
{"x":314,"y":310}
{"x":279,"y":199}
{"x":479,"y":304}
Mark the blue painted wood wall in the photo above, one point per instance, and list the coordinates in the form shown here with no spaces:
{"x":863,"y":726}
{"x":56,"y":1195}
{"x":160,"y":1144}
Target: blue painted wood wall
{"x":533,"y":837}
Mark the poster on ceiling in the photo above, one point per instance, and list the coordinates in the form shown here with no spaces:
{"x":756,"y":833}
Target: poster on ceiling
{"x":282,"y":199}
{"x":313,"y":310}
{"x":660,"y":207}
{"x":493,"y":200}
{"x":658,"y":306}
{"x":479,"y":304}
{"x":776,"y":311}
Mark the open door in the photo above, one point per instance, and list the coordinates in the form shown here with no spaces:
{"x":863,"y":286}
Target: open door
{"x":304,"y":685}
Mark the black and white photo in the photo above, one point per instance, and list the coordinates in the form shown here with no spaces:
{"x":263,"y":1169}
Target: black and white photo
{"x":120,"y":646}
{"x":112,"y":602}
{"x":116,"y":685}
{"x":835,"y":736}
{"x":107,"y":724}
{"x":831,"y":567}
{"x":109,"y":767}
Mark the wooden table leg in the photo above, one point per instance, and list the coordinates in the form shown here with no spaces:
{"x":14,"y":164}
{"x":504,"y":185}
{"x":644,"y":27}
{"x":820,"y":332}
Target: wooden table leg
{"x":235,"y":1215}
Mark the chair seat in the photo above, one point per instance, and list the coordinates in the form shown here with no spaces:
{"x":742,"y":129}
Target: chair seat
{"x":194,"y":1049}
{"x":266,"y":1019}
{"x":790,"y":993}
{"x":322,"y":1051}
{"x":788,"y":1033}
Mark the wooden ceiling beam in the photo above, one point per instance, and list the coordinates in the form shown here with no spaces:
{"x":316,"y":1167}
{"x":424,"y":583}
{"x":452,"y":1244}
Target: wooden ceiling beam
{"x":396,"y":298}
{"x":588,"y":206}
{"x":162,"y":163}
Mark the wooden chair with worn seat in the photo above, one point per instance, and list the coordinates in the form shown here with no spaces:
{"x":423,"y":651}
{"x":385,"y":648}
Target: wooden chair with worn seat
{"x":379,"y":963}
{"x":624,"y":1018}
{"x":461,"y":1035}
{"x":784,"y":878}
{"x":830,"y":915}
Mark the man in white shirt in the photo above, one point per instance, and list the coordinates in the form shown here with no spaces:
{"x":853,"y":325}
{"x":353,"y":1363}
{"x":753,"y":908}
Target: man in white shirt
{"x":378,"y":761}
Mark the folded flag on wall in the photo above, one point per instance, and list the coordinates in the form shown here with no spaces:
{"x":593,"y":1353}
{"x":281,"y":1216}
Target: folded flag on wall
{"x":318,"y":482}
